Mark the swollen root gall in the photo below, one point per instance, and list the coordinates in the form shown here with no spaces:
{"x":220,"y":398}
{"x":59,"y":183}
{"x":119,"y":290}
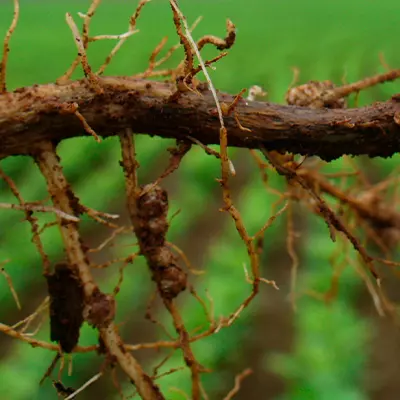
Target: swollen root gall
{"x":66,"y":306}
{"x":315,"y":94}
{"x":100,"y":310}
{"x":151,"y":230}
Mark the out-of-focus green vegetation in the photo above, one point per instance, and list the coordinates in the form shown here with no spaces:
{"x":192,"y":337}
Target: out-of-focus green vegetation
{"x":325,"y":40}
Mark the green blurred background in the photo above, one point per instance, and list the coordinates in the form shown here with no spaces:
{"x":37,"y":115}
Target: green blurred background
{"x":336,"y":351}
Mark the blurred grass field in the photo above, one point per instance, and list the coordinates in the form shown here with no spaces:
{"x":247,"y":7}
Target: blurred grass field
{"x":327,"y":348}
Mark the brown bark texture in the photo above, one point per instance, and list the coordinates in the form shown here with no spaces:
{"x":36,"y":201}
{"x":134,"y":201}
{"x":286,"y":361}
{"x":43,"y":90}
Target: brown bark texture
{"x":47,"y":112}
